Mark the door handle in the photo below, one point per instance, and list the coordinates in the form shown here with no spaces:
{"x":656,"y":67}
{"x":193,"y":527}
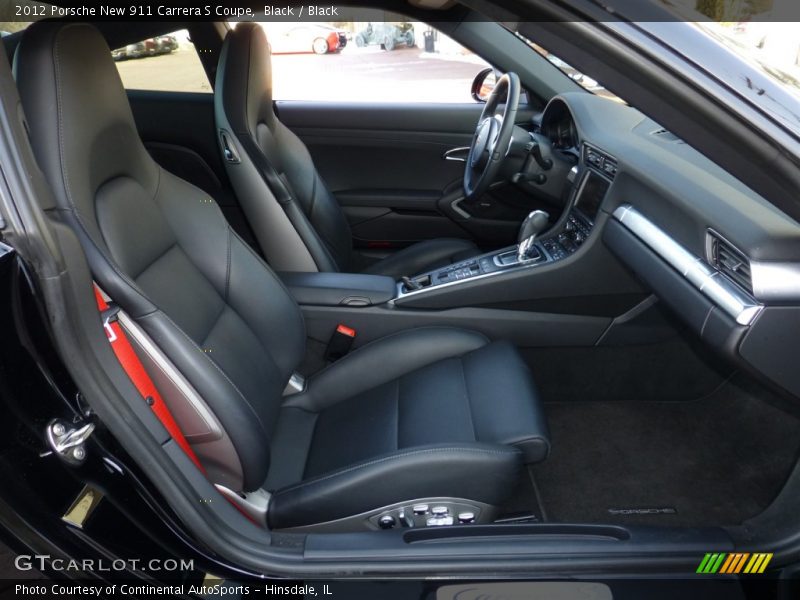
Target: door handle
{"x":458,"y":154}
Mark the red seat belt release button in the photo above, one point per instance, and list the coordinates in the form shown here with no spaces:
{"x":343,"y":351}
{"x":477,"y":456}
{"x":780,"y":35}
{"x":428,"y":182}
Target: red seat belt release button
{"x":340,"y":343}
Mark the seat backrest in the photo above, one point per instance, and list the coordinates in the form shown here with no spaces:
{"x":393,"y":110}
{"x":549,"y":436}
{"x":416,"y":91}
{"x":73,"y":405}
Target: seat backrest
{"x":296,"y":219}
{"x":159,"y":246}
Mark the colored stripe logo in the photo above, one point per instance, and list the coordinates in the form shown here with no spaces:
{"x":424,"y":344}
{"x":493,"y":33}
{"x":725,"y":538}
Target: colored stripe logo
{"x":734,"y":563}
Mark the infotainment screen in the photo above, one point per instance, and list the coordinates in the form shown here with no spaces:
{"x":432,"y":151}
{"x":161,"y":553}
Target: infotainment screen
{"x":591,"y":194}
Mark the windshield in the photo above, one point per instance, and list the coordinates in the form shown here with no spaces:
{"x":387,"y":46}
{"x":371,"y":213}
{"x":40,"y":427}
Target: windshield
{"x":582,"y":79}
{"x":773,"y":47}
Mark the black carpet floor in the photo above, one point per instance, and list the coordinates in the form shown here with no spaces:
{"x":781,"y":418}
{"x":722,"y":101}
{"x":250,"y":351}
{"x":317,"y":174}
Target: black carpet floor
{"x":717,"y":460}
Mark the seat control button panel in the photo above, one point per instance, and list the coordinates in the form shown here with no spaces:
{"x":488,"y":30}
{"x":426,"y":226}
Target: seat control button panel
{"x":429,"y":512}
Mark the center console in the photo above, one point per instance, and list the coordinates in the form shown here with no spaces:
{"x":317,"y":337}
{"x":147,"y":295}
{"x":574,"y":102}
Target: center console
{"x":554,"y":247}
{"x":563,"y":240}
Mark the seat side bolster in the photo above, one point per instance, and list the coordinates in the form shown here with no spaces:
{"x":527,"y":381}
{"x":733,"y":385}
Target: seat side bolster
{"x":382,"y":361}
{"x":481,"y":472}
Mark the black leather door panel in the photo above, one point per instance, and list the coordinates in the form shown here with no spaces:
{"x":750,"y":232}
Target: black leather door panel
{"x":385,"y":163}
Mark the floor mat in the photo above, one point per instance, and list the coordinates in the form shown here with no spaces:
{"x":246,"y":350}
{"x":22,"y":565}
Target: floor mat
{"x":714,"y":461}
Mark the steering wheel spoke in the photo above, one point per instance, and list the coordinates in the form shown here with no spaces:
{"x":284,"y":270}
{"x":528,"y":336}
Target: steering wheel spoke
{"x":492,"y":137}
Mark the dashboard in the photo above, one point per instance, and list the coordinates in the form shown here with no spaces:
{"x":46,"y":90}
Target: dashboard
{"x":720,"y":256}
{"x":645,"y":207}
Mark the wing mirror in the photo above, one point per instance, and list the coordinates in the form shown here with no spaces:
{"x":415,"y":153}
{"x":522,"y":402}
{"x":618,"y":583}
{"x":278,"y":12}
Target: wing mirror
{"x":483,"y":84}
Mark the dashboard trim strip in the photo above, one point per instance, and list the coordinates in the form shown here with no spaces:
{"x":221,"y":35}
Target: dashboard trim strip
{"x":710,"y":282}
{"x":775,"y":281}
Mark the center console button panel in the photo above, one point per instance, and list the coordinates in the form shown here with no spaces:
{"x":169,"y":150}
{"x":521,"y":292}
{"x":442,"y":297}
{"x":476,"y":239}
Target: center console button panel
{"x":576,"y":232}
{"x":557,"y":247}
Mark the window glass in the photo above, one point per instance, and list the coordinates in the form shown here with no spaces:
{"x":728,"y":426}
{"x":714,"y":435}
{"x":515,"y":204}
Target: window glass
{"x":167,"y":63}
{"x":582,"y":79}
{"x":403,"y":61}
{"x":18,"y":15}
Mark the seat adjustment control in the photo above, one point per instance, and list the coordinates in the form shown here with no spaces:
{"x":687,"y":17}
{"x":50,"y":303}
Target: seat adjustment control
{"x":420,"y":509}
{"x":386,"y":522}
{"x":439,"y":521}
{"x":466,"y":517}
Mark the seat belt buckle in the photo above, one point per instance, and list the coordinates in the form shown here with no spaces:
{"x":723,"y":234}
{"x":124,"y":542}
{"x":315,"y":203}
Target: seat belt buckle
{"x":340,"y":343}
{"x":109,"y":316}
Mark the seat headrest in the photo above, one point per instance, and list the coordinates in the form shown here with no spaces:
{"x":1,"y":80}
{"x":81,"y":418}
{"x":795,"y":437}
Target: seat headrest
{"x":81,"y":125}
{"x":244,"y":78}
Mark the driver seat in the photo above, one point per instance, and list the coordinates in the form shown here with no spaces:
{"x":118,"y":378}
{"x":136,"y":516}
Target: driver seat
{"x":297,"y":221}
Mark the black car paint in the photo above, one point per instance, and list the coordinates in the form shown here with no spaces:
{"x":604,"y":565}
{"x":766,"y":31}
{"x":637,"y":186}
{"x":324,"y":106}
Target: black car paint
{"x":132,"y":521}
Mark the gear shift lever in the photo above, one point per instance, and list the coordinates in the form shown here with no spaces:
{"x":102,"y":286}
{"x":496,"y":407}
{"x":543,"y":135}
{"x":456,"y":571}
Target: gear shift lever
{"x":534,"y":224}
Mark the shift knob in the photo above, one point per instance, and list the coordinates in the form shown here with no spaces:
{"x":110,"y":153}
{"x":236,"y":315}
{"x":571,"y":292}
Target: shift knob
{"x":534,"y":224}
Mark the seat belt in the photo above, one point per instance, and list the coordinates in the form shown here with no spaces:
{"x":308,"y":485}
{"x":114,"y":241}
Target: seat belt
{"x":134,"y":368}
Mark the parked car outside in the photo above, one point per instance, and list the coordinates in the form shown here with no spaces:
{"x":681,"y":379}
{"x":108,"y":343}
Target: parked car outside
{"x":166,"y":44}
{"x":303,"y":38}
{"x":387,"y":35}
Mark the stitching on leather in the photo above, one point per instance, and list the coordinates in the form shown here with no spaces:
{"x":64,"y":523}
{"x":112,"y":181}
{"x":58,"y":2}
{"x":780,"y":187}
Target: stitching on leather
{"x":209,"y":359}
{"x":313,"y":195}
{"x":275,"y":278}
{"x":214,"y":324}
{"x":392,"y":458}
{"x":311,"y":444}
{"x":228,"y":269}
{"x":258,"y":339}
{"x":469,"y":401}
{"x":326,"y":246}
{"x":358,"y":351}
{"x":155,"y":260}
{"x":64,"y":175}
{"x":397,"y":428}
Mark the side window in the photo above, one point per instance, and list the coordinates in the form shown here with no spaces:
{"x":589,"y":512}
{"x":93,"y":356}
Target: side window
{"x":167,"y":63}
{"x":404,"y":61}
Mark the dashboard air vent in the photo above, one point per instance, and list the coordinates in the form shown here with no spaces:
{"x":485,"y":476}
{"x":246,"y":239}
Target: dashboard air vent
{"x":730,"y":261}
{"x":666,"y":135}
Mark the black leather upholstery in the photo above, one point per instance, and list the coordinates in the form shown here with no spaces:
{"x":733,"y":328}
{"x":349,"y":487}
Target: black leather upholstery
{"x":431,"y":411}
{"x":407,"y":407}
{"x":334,"y":289}
{"x":297,"y":221}
{"x":159,"y":246}
{"x":422,"y":257}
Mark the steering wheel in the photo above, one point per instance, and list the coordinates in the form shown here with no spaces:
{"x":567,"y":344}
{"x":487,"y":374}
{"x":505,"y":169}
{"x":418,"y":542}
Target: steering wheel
{"x":492,"y":137}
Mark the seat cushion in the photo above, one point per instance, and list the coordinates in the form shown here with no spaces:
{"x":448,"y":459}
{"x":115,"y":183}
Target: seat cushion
{"x":423,"y":256}
{"x":422,"y":413}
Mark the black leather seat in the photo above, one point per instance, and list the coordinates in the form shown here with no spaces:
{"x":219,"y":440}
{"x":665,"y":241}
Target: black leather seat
{"x":297,"y":221}
{"x":433,"y":412}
